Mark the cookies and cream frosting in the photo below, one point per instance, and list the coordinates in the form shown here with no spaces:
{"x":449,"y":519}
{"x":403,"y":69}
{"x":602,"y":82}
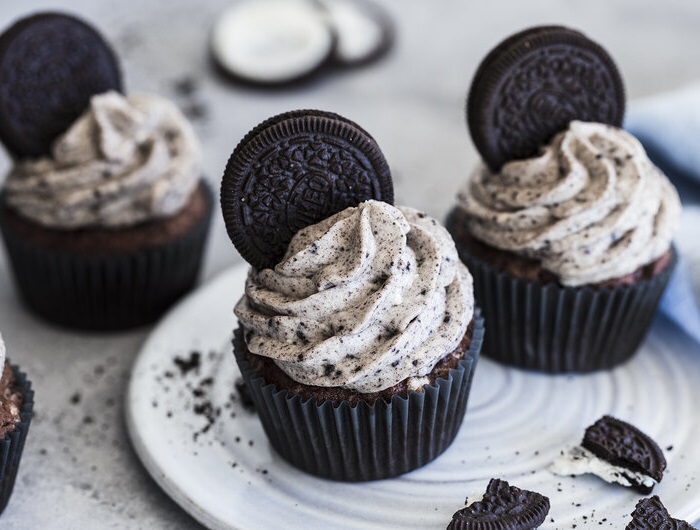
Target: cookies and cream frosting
{"x":2,"y":352}
{"x":591,"y":206}
{"x":124,"y":161}
{"x":369,"y":297}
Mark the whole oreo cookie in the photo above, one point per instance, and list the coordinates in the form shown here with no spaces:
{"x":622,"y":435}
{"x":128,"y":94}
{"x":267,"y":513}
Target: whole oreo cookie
{"x":533,"y":84}
{"x":294,"y":170}
{"x":51,"y":64}
{"x":623,"y":445}
{"x":651,"y":514}
{"x":503,"y":507}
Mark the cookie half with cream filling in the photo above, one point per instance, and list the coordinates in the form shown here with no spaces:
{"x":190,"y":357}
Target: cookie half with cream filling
{"x":617,"y":452}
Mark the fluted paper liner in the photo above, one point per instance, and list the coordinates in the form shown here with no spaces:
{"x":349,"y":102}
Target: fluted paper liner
{"x":106,"y":292}
{"x":555,"y":329}
{"x":364,"y":442}
{"x":13,"y":444}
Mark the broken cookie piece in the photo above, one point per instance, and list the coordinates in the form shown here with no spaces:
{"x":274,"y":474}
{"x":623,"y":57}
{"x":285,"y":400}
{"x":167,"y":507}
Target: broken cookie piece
{"x":651,"y":514}
{"x":503,"y":507}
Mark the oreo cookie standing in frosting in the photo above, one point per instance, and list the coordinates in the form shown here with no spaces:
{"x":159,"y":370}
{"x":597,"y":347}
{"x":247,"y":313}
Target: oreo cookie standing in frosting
{"x":293,"y":170}
{"x":51,"y":64}
{"x":503,"y":507}
{"x":651,"y":514}
{"x":533,"y":84}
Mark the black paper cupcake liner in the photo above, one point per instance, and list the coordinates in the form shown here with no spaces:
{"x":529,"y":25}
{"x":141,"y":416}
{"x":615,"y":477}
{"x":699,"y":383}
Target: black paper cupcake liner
{"x":106,"y":292}
{"x":364,"y":442}
{"x":12,"y":446}
{"x":555,"y":329}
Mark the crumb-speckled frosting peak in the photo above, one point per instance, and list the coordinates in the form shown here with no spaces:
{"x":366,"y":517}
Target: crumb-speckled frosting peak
{"x":124,"y":161}
{"x":2,"y":351}
{"x":362,"y":300}
{"x":590,"y":206}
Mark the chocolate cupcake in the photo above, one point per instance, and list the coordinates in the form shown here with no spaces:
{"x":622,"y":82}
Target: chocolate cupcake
{"x":16,"y":404}
{"x":104,"y":221}
{"x":364,"y":334}
{"x":570,"y":245}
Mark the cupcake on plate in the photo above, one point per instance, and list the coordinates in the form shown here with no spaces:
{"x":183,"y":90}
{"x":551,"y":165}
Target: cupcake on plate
{"x":566,"y":225}
{"x":358,"y":327}
{"x":16,"y":404}
{"x":104,"y":213}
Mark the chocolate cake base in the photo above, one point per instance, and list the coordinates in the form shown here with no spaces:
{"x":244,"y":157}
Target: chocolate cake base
{"x":531,"y":269}
{"x":366,"y":439}
{"x":271,"y":373}
{"x":17,"y":403}
{"x":104,"y":241}
{"x":547,"y":327}
{"x":104,"y":279}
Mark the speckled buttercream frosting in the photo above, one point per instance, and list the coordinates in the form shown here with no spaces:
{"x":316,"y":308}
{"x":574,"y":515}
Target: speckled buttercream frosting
{"x":124,"y":161}
{"x":362,"y":300}
{"x":2,"y":351}
{"x":591,"y":206}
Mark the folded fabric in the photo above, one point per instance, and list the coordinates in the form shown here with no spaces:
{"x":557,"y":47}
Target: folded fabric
{"x":668,"y":125}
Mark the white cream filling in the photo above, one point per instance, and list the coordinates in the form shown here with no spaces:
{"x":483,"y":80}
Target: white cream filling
{"x":580,"y":461}
{"x":271,"y":40}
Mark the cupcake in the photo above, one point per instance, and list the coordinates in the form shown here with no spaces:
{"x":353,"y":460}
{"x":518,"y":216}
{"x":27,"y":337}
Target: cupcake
{"x":566,"y":225}
{"x":363,"y":334}
{"x":16,"y":403}
{"x":104,"y":213}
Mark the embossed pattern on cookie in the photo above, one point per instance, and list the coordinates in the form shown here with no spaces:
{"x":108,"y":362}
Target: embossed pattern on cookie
{"x":51,"y":64}
{"x":533,"y":84}
{"x":503,"y":507}
{"x":651,"y":514}
{"x":294,"y":170}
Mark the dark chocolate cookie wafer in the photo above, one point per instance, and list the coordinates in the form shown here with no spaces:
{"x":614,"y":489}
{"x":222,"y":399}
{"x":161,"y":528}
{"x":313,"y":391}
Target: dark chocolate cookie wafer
{"x":623,"y":445}
{"x":651,"y":514}
{"x":503,"y":507}
{"x":294,"y":170}
{"x":533,"y":84}
{"x":51,"y":64}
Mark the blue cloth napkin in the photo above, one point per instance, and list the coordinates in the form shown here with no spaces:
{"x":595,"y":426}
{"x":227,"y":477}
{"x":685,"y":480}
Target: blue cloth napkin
{"x":668,"y":125}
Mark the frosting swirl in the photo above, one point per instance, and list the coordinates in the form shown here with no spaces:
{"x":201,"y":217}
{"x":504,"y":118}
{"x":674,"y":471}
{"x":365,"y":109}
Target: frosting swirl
{"x":124,"y":161}
{"x":591,"y":206}
{"x":2,"y":352}
{"x":362,"y":300}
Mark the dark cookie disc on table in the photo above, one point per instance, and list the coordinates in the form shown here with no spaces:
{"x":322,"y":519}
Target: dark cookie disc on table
{"x":533,"y":84}
{"x":294,"y":170}
{"x":51,"y":64}
{"x":503,"y":507}
{"x":651,"y":514}
{"x":623,"y":445}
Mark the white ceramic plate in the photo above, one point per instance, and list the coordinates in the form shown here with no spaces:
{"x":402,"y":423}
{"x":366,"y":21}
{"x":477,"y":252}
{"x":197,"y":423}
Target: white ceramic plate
{"x":227,"y":476}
